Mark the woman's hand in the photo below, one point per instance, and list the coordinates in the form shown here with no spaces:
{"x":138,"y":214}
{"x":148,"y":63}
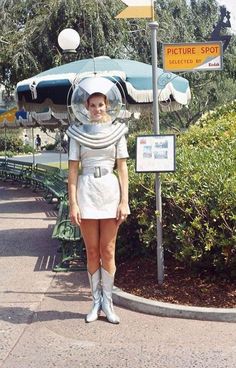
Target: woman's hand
{"x":122,"y":213}
{"x":75,"y":217}
{"x":123,"y":208}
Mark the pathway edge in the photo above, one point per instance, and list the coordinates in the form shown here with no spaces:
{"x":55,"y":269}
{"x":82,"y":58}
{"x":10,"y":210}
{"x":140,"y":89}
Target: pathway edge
{"x":147,"y":306}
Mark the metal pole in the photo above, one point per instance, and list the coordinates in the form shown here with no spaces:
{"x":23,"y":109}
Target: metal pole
{"x":160,"y":256}
{"x":60,"y":148}
{"x":33,"y":146}
{"x":5,"y":142}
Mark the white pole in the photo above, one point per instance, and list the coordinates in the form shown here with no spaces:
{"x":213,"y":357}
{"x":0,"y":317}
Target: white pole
{"x":160,"y":256}
{"x":5,"y":142}
{"x":60,"y":148}
{"x":33,"y":145}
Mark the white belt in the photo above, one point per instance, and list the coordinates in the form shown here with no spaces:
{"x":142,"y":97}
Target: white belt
{"x":97,"y":171}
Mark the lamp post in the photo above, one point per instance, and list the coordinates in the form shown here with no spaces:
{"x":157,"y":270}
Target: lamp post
{"x":68,"y":40}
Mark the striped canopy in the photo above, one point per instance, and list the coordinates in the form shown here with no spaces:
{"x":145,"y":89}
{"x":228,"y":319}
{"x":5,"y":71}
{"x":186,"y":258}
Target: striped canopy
{"x":53,"y":88}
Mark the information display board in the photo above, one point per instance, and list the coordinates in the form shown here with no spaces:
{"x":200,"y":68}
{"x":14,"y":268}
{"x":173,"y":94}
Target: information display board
{"x":155,"y":153}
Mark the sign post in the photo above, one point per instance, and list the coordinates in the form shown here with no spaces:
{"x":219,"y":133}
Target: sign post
{"x":160,"y":254}
{"x":145,"y":9}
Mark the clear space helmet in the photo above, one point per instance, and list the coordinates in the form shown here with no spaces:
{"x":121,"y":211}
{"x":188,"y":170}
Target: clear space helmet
{"x":86,"y":87}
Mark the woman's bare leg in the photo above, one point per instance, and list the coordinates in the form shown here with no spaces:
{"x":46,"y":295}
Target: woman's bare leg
{"x":108,"y":235}
{"x":90,"y":233}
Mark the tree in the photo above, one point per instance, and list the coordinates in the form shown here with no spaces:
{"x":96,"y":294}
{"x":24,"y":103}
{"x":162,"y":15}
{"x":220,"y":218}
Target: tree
{"x":29,"y":43}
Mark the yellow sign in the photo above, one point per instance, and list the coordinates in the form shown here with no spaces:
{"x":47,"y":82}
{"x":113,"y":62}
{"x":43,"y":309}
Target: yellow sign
{"x":192,"y":56}
{"x":137,"y":9}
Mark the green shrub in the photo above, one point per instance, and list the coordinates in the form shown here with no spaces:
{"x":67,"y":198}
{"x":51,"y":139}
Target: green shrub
{"x":27,"y":149}
{"x":8,"y":153}
{"x":49,"y":146}
{"x":199,"y":199}
{"x":13,"y":143}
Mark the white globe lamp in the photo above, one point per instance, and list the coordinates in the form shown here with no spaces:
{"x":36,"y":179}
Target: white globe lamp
{"x":68,"y":40}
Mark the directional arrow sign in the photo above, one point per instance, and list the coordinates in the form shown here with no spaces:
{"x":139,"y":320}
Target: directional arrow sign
{"x":137,"y":9}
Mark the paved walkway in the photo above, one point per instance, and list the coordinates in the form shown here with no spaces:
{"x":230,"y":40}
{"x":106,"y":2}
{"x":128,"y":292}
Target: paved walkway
{"x":44,"y":157}
{"x":42,"y":313}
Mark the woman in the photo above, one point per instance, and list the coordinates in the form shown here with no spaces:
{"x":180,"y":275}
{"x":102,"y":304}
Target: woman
{"x":98,"y":199}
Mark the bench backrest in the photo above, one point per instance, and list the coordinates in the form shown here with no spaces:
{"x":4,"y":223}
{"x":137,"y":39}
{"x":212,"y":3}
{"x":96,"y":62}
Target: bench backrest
{"x":2,"y":161}
{"x":19,"y":165}
{"x":51,"y":170}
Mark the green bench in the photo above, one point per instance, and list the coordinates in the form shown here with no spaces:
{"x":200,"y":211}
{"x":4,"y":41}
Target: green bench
{"x":17,"y":171}
{"x":38,"y":176}
{"x":56,"y":185}
{"x":51,"y":180}
{"x":2,"y":166}
{"x":71,"y":243}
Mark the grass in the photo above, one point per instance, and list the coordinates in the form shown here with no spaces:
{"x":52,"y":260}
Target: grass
{"x":64,"y":165}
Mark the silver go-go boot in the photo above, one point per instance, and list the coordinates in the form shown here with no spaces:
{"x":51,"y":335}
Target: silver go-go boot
{"x":95,"y":284}
{"x":107,"y":304}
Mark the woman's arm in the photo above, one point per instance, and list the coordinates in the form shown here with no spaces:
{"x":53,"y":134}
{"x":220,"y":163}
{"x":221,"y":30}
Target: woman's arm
{"x":123,"y":208}
{"x":72,"y":192}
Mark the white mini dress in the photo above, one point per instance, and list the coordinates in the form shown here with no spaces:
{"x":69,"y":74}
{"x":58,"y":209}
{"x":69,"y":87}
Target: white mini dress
{"x":98,"y":189}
